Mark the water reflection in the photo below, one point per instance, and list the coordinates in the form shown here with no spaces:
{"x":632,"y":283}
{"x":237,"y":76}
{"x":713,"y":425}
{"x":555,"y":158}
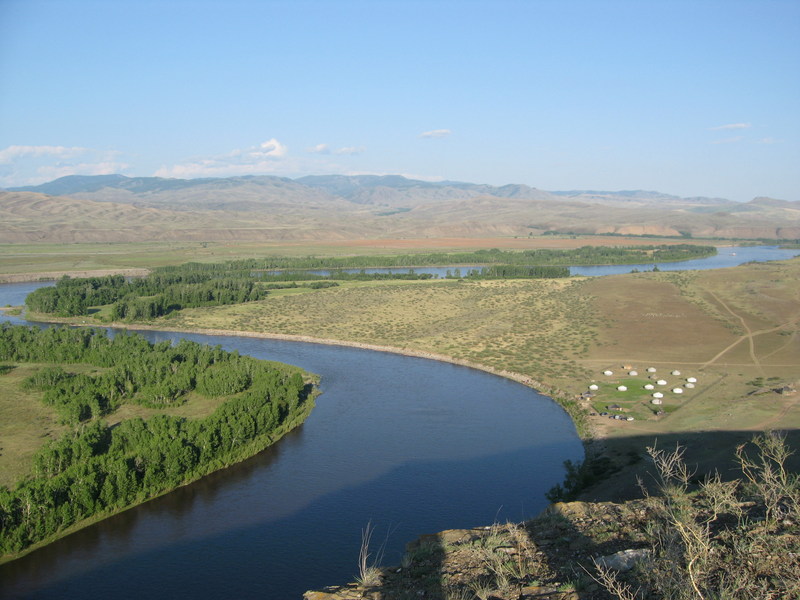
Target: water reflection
{"x":413,"y":444}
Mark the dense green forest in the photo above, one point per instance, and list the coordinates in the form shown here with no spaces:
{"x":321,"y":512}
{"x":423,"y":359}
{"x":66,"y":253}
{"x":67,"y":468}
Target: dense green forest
{"x":98,"y":469}
{"x":148,"y":297}
{"x":173,"y":288}
{"x":586,"y":255}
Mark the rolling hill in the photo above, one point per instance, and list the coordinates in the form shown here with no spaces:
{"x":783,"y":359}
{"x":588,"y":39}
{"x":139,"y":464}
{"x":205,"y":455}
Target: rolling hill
{"x":335,"y":207}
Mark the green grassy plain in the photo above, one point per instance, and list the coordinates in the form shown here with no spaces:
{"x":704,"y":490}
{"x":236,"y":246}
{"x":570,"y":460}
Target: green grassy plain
{"x":726,"y":327}
{"x":25,"y":423}
{"x":30,"y":259}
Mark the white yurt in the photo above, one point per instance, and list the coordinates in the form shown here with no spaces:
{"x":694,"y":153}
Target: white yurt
{"x":649,"y":386}
{"x":661,"y":382}
{"x":633,"y":373}
{"x":689,"y":385}
{"x":594,"y":387}
{"x":608,"y":372}
{"x":658,"y":395}
{"x":657,"y":401}
{"x":691,"y":379}
{"x":651,"y":369}
{"x":677,"y":390}
{"x":676,"y":372}
{"x":622,"y":388}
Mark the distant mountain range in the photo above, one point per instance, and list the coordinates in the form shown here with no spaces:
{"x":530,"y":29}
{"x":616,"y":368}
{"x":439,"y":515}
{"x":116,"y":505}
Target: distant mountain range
{"x":115,"y":207}
{"x":361,"y":189}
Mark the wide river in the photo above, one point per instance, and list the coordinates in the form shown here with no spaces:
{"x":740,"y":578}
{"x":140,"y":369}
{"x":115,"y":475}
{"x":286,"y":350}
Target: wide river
{"x":725,"y":257}
{"x":413,"y":445}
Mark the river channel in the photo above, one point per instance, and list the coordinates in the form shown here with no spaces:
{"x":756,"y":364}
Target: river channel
{"x":412,"y":445}
{"x":726,"y":257}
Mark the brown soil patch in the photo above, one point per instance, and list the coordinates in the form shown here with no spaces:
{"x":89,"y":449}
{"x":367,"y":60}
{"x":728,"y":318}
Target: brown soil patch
{"x":647,"y":319}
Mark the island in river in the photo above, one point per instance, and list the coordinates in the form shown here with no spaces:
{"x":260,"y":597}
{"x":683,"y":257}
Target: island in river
{"x":102,"y":463}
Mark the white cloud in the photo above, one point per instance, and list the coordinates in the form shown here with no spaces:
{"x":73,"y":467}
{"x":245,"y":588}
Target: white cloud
{"x":769,"y":140}
{"x":48,"y":173}
{"x":415,"y":176}
{"x":731,"y":126}
{"x":32,"y":165}
{"x":13,"y":153}
{"x":730,"y":140}
{"x":350,"y":150}
{"x":435,"y":133}
{"x":267,"y":157}
{"x":319,"y":149}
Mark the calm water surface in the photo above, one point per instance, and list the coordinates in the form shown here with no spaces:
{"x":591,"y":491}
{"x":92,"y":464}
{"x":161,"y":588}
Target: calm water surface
{"x":414,"y":445}
{"x":726,"y":257}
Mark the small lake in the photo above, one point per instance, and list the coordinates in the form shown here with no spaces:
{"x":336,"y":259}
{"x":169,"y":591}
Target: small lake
{"x":413,"y":445}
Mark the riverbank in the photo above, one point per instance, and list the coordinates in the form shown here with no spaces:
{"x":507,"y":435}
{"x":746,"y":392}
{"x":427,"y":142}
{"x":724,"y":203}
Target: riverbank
{"x":293,"y":412}
{"x":55,"y":275}
{"x":578,"y":409}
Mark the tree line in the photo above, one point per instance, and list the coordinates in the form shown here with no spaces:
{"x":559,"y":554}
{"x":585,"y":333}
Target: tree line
{"x":586,"y":255}
{"x":148,"y":297}
{"x":97,"y":469}
{"x":191,"y":285}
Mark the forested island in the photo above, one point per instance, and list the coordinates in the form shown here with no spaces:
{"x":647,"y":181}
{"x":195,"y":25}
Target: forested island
{"x":585,"y":255}
{"x":191,"y":285}
{"x":96,"y":469}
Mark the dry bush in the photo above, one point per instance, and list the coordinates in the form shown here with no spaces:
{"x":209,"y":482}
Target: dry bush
{"x":736,"y":540}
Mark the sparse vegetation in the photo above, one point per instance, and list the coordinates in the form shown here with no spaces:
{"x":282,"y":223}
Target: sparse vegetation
{"x":721,"y":540}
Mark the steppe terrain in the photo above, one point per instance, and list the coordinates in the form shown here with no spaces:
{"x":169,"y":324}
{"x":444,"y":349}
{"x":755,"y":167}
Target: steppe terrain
{"x":114,"y":208}
{"x":736,"y":331}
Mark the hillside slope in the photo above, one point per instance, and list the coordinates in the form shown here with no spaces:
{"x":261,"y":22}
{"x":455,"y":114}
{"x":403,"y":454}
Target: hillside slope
{"x":335,"y":207}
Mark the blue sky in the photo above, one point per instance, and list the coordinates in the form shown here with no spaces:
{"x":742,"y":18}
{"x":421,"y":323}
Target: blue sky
{"x":693,"y":98}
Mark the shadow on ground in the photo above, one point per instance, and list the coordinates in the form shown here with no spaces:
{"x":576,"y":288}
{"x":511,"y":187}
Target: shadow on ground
{"x":552,"y":556}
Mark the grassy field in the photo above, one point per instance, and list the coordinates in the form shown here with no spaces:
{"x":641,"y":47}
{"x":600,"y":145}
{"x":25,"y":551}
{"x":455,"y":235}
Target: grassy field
{"x":18,"y":259}
{"x":26,"y":423}
{"x":736,"y":330}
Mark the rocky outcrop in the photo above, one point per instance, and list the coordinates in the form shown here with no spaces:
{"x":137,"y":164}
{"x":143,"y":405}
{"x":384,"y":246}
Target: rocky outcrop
{"x":541,"y":559}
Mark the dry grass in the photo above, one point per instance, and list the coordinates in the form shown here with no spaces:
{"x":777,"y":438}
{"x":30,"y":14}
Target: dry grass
{"x":537,"y":328}
{"x":564,"y":333}
{"x":34,"y":258}
{"x":25,"y":424}
{"x":728,"y":327}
